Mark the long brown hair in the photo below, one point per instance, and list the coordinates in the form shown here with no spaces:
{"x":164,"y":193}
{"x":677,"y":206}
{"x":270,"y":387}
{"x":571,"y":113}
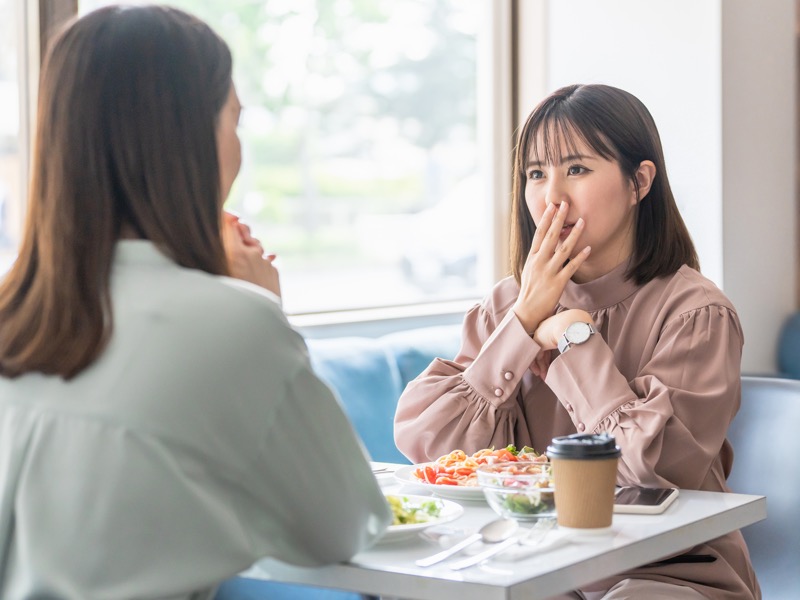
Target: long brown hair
{"x":128,"y":103}
{"x":617,"y":126}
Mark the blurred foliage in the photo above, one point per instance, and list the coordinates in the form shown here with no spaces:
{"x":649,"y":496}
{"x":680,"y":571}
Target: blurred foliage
{"x":351,"y":108}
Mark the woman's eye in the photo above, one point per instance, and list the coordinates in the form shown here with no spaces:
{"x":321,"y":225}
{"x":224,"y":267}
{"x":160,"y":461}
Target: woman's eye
{"x":535,"y":174}
{"x":576,"y":170}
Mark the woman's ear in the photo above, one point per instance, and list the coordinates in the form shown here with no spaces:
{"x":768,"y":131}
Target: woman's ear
{"x":645,"y":174}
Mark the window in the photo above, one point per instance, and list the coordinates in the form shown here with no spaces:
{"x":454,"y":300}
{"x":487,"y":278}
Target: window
{"x":361,"y":163}
{"x":11,"y":153}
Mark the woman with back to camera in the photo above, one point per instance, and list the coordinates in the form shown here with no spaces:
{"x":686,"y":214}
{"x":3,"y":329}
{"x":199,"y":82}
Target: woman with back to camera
{"x":160,"y":426}
{"x":606,"y":325}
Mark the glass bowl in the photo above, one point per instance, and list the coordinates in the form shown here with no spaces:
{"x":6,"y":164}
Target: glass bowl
{"x":521,"y":490}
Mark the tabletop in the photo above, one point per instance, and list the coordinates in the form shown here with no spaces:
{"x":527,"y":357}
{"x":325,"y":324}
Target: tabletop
{"x":388,"y":569}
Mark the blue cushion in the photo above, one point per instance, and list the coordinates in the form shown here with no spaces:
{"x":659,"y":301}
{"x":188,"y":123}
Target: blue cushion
{"x":414,"y":349}
{"x":243,"y":588}
{"x":366,"y":379}
{"x":766,"y":460}
{"x":789,"y":348}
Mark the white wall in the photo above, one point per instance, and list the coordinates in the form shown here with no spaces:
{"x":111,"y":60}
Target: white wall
{"x":759,"y":169}
{"x":718,"y":77}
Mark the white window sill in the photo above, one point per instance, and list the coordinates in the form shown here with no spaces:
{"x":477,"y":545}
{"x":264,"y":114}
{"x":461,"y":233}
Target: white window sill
{"x":374,"y":322}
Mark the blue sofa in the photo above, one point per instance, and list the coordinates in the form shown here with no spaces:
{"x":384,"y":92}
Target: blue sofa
{"x":368,"y":375}
{"x":789,"y":348}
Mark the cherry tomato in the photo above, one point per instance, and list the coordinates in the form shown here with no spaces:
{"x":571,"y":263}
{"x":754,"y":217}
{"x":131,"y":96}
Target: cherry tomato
{"x":430,"y":474}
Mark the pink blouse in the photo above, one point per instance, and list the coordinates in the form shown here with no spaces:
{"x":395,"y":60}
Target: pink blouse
{"x":662,"y":375}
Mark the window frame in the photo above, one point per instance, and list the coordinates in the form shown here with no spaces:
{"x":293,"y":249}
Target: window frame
{"x":496,"y":126}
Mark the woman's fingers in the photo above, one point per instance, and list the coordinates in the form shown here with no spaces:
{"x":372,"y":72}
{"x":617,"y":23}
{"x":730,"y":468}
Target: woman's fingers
{"x":247,"y":238}
{"x":575,"y":263}
{"x":565,"y":250}
{"x":548,"y":267}
{"x":541,"y":229}
{"x":553,"y":233}
{"x":541,"y":364}
{"x":548,"y":232}
{"x":246,"y":256}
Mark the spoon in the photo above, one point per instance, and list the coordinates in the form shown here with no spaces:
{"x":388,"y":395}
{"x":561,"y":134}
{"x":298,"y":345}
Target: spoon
{"x":491,"y":533}
{"x":536,"y":534}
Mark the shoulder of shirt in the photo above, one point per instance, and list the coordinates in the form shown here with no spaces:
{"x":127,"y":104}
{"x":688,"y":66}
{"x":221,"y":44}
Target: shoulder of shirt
{"x":250,"y":306}
{"x":260,"y":298}
{"x":691,"y":290}
{"x":199,"y":299}
{"x":209,"y":291}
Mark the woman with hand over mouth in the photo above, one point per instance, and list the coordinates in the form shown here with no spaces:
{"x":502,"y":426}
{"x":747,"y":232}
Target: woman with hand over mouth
{"x":606,"y":325}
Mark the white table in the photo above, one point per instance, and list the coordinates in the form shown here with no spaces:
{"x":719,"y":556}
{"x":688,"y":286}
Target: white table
{"x":388,"y":569}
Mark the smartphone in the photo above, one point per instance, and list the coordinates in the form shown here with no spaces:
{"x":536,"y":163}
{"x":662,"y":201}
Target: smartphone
{"x":640,"y":500}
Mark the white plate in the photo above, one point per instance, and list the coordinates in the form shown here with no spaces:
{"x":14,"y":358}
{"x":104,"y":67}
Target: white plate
{"x":450,"y":512}
{"x":405,"y":475}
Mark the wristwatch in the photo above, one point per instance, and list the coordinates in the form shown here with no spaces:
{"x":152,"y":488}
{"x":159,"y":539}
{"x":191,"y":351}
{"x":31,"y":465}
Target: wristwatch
{"x":577,"y":333}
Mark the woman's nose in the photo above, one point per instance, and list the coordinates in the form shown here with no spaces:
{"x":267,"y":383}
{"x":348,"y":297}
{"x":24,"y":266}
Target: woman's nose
{"x":555,"y":195}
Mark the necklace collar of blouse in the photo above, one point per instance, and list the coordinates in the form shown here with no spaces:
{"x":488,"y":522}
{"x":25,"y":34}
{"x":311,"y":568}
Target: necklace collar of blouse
{"x":607,"y":290}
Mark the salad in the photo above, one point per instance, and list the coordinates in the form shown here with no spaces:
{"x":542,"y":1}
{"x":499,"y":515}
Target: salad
{"x":519,"y":490}
{"x":405,"y":512}
{"x":456,"y":468}
{"x":529,"y":503}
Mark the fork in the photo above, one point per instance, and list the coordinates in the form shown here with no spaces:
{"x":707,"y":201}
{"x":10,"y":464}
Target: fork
{"x":535,"y":535}
{"x":538,"y":532}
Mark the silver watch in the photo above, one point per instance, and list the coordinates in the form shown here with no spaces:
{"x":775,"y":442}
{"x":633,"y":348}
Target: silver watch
{"x":577,"y":333}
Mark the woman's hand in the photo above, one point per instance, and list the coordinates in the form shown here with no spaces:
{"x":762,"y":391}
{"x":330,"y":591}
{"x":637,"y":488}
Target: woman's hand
{"x":546,"y":270}
{"x":541,"y":363}
{"x":551,"y":329}
{"x":246,"y":259}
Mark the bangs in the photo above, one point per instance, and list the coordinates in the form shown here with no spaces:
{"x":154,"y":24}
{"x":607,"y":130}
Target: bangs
{"x":557,"y":132}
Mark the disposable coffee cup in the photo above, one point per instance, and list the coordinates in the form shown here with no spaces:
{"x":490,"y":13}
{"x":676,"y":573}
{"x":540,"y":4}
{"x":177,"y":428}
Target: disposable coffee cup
{"x":584,"y":474}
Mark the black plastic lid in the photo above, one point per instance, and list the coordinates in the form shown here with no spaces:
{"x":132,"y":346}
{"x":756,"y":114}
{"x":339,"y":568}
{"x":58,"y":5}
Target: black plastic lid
{"x":584,"y":446}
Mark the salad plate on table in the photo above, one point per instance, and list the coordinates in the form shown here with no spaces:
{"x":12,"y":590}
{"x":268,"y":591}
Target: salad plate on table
{"x":413,"y":514}
{"x":469,"y":493}
{"x":454,"y":475}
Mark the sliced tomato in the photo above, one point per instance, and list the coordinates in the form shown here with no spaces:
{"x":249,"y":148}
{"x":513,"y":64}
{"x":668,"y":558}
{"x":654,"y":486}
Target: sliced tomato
{"x":445,"y":480}
{"x":430,"y":474}
{"x":505,"y":455}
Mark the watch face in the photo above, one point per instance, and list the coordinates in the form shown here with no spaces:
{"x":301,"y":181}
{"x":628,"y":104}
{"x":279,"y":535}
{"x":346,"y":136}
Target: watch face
{"x":578,"y":333}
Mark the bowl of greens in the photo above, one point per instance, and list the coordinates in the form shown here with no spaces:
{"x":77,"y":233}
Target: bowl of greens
{"x":521,"y":490}
{"x":412,"y":514}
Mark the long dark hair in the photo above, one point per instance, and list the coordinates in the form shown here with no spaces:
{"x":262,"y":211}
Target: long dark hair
{"x":128,"y":103}
{"x":617,"y":126}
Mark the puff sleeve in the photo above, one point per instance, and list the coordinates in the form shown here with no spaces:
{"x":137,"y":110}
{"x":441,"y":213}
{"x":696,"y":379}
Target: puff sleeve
{"x":473,"y":401}
{"x":671,"y":419}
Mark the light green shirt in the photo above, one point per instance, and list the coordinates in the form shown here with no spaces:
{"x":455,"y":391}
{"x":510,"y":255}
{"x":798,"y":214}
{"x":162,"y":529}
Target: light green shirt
{"x":199,"y":442}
